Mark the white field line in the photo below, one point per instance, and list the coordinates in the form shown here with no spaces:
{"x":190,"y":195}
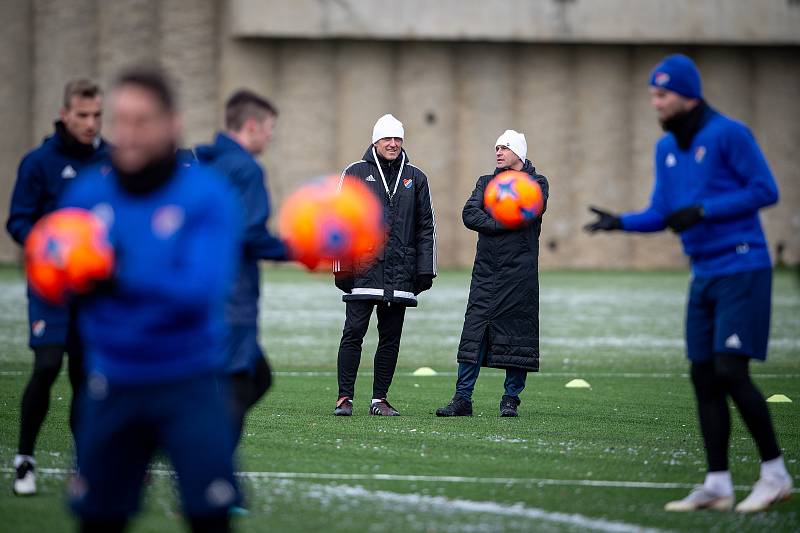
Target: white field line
{"x":539,"y":375}
{"x":433,"y":479}
{"x":330,"y":373}
{"x":419,"y":503}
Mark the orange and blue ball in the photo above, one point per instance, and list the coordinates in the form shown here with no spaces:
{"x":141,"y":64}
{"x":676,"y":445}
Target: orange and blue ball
{"x":513,"y":198}
{"x":67,"y":252}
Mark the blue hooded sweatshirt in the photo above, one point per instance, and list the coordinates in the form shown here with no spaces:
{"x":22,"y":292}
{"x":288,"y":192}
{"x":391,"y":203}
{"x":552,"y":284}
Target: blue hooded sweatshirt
{"x":724,"y":171}
{"x":176,"y":251}
{"x":243,"y":172}
{"x":43,"y":175}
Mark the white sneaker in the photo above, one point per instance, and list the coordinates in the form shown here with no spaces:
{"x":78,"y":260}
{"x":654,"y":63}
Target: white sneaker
{"x":25,"y":482}
{"x":701,"y":498}
{"x":766,"y":491}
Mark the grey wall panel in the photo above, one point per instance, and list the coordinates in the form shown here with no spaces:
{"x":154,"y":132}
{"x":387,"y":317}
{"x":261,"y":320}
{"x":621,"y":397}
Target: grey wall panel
{"x":425,"y":92}
{"x":15,"y":92}
{"x":64,"y":47}
{"x":188,"y":50}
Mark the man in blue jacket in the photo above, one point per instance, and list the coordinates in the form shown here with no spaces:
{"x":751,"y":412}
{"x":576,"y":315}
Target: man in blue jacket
{"x":249,"y":124}
{"x":154,"y":336}
{"x":711,"y":181}
{"x":43,"y":174}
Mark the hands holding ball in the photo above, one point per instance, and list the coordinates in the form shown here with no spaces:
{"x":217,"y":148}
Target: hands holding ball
{"x":68,"y":253}
{"x":513,"y":199}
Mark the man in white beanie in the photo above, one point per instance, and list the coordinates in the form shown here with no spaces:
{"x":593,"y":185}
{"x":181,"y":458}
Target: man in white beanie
{"x":405,"y":268}
{"x":501,"y":325}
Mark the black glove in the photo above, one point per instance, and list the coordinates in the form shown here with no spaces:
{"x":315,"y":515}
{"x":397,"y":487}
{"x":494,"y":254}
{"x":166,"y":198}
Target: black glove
{"x":685,"y":218}
{"x":606,"y":221}
{"x":423,"y":282}
{"x":344,"y":281}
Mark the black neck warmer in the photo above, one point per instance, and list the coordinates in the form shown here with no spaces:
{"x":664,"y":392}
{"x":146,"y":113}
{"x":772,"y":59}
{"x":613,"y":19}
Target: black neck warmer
{"x":149,"y":178}
{"x":684,"y":126}
{"x":71,"y":145}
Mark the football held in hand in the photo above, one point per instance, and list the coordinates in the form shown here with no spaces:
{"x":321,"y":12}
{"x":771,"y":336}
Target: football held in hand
{"x":513,"y":199}
{"x":67,"y":252}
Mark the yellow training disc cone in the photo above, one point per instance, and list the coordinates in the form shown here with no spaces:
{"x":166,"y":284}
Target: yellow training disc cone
{"x":424,"y":371}
{"x":578,"y":384}
{"x":779,"y":398}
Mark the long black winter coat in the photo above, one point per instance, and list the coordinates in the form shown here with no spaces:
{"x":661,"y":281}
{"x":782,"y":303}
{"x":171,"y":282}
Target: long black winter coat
{"x":504,"y":293}
{"x":410,"y":249}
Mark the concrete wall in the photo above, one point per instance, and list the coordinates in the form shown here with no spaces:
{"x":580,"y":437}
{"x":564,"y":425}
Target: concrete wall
{"x":15,"y":93}
{"x":583,"y":106}
{"x":584,"y":109}
{"x":563,"y":21}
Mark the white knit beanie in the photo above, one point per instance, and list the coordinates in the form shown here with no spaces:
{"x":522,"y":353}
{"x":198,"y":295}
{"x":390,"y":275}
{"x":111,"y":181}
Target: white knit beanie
{"x":387,"y":126}
{"x":514,"y":141}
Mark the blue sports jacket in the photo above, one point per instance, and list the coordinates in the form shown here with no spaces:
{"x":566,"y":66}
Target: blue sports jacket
{"x":177,"y":253}
{"x":244,"y":173}
{"x":725,"y":172}
{"x":42,"y":177}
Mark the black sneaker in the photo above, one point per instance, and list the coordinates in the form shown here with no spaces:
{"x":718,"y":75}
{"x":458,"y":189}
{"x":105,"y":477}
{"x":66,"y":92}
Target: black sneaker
{"x":508,"y":406}
{"x":344,"y":407}
{"x":458,"y":406}
{"x":383,"y":408}
{"x":25,"y":481}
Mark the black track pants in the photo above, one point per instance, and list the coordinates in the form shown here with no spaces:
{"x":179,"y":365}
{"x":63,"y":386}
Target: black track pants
{"x":390,"y":327}
{"x":716,"y":380}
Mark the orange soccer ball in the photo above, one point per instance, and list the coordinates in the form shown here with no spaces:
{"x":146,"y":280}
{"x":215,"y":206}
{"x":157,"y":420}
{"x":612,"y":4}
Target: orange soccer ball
{"x":513,"y":198}
{"x":326,"y":221}
{"x":66,"y":252}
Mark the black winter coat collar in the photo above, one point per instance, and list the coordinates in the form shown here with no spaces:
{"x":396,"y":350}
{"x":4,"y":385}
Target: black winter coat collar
{"x":527,"y":168}
{"x":391,"y":169}
{"x":369,"y":158}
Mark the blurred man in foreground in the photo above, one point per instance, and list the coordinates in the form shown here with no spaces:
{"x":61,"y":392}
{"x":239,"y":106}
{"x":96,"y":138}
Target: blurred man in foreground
{"x":711,"y":182}
{"x":154,"y":335}
{"x":43,"y":175}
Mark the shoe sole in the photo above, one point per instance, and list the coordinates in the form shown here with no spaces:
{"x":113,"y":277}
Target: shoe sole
{"x":508,"y":415}
{"x":779,"y":499}
{"x":442,"y":415}
{"x":721,"y":505}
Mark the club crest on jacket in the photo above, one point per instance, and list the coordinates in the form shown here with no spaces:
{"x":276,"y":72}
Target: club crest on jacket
{"x":167,"y":220}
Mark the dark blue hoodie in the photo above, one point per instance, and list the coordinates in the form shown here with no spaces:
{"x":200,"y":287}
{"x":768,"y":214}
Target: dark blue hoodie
{"x":43,"y":175}
{"x":241,"y":169}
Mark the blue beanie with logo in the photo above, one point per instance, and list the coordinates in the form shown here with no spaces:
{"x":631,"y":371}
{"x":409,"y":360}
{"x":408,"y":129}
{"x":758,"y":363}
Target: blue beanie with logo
{"x":679,"y":74}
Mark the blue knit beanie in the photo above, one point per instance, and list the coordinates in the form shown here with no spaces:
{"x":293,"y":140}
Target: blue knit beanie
{"x":679,"y":74}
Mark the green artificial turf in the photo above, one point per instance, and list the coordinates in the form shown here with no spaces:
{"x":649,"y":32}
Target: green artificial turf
{"x":308,"y":471}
